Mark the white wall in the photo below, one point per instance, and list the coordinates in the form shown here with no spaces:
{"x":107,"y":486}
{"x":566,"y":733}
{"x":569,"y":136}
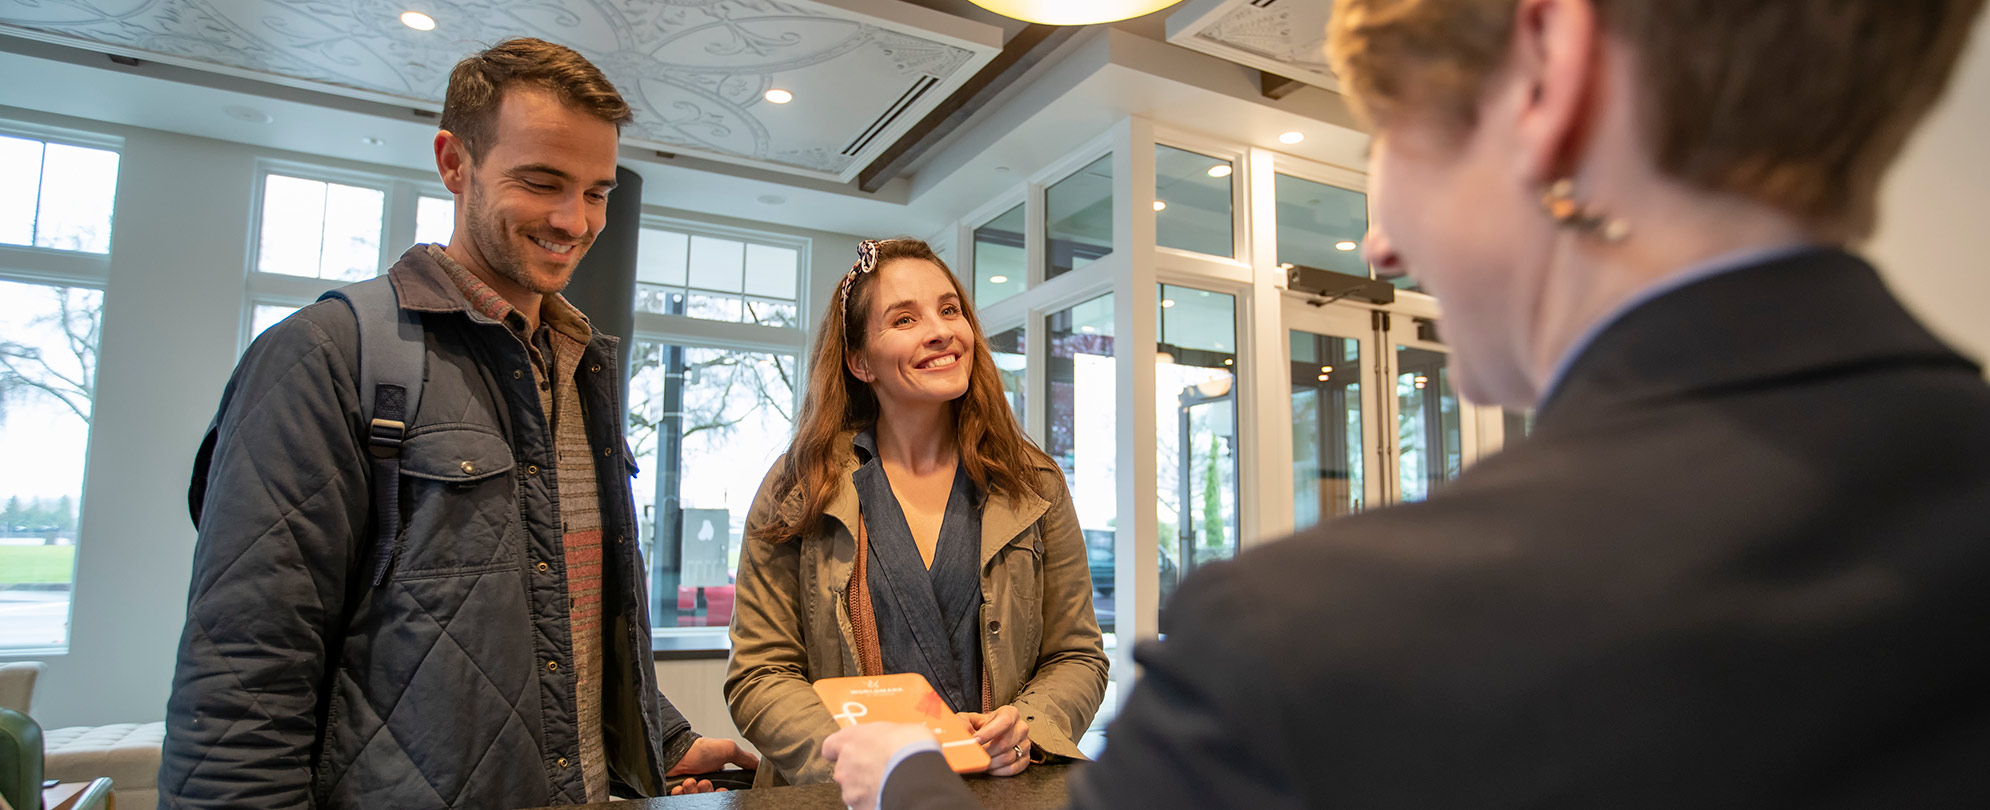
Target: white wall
{"x":174,"y":304}
{"x":1934,"y":234}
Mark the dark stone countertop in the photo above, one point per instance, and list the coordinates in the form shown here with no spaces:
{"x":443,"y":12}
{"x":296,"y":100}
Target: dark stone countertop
{"x":1042,"y":786}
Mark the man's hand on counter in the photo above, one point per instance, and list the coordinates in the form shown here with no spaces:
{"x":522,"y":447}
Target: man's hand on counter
{"x":707,"y":755}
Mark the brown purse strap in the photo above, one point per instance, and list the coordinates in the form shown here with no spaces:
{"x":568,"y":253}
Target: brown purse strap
{"x":857,"y":599}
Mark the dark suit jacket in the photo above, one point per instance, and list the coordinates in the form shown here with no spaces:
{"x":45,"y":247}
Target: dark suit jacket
{"x":1744,"y":561}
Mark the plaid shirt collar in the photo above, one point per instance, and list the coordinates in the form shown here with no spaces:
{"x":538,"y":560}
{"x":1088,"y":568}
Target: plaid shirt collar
{"x":555,"y":311}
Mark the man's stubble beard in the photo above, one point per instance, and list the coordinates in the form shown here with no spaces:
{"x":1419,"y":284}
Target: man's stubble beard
{"x":500,"y":252}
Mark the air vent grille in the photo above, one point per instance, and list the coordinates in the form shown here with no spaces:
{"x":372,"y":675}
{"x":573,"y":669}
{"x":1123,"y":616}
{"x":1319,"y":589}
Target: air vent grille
{"x":906,"y":100}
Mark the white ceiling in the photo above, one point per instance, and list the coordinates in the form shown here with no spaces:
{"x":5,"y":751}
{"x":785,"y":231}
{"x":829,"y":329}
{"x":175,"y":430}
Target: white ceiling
{"x":695,"y":71}
{"x":1096,"y":79}
{"x":1284,"y":37}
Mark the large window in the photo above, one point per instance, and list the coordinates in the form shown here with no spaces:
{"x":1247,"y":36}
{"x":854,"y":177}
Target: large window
{"x":706,"y":425}
{"x":56,"y":195}
{"x":717,"y":277}
{"x":320,"y":229}
{"x":711,"y":404}
{"x":48,"y":365}
{"x":1082,"y":413}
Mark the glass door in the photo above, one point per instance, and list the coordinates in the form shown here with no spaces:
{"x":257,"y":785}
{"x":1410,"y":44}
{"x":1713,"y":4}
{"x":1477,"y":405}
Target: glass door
{"x":1434,"y":429}
{"x":1195,"y":399}
{"x":1332,"y":367}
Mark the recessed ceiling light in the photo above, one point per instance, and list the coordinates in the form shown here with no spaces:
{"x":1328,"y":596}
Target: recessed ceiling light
{"x":1220,"y":170}
{"x":417,"y":21}
{"x":249,"y":114}
{"x":1160,"y":206}
{"x":1294,"y":136}
{"x":779,"y":96}
{"x":1345,"y":245}
{"x":998,"y":279}
{"x":372,"y":141}
{"x":1086,"y":329}
{"x":1167,"y":302}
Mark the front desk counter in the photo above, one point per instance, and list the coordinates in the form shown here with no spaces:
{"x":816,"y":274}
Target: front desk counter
{"x":1042,"y":786}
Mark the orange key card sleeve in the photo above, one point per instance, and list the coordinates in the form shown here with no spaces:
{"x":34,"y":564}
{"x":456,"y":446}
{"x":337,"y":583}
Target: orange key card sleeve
{"x":904,"y":698}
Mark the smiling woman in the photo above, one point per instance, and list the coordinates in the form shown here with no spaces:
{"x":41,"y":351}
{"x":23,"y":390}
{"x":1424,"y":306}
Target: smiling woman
{"x":942,"y":531}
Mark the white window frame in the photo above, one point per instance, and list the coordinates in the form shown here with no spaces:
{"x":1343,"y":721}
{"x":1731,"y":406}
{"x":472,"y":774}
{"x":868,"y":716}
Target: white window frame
{"x":397,"y":233}
{"x":28,"y":264}
{"x":701,"y":333}
{"x":63,"y":263}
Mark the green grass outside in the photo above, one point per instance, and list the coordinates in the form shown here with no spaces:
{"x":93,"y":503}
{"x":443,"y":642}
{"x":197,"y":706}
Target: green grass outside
{"x":36,"y":564}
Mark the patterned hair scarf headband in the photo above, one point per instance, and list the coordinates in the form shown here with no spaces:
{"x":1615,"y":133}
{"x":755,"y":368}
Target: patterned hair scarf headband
{"x":867,"y":260}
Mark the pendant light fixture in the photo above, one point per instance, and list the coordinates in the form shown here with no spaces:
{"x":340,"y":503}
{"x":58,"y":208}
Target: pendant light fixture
{"x":1073,"y":12}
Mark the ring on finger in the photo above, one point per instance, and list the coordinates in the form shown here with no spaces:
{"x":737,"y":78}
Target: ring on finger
{"x":1018,"y":748}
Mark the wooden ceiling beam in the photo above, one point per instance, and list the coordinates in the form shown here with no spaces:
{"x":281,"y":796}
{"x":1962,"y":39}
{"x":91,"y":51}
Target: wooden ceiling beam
{"x":1275,"y":86}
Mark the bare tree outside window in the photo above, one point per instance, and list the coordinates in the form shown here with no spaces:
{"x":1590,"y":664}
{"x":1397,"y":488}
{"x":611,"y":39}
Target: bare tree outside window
{"x":48,"y":363}
{"x":705,"y":424}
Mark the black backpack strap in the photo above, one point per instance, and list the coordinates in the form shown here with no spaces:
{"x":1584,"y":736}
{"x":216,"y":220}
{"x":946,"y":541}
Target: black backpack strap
{"x":391,"y":357}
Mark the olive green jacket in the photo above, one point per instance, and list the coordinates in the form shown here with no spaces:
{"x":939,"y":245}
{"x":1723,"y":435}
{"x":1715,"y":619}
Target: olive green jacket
{"x":791,"y":625}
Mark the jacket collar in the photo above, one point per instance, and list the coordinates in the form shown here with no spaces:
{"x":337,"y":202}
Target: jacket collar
{"x":423,"y":286}
{"x":1803,"y":314}
{"x":1003,"y":518}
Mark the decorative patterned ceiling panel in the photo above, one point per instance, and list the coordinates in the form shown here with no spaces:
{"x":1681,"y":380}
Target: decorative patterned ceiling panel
{"x":695,"y":71}
{"x":1285,"y":37}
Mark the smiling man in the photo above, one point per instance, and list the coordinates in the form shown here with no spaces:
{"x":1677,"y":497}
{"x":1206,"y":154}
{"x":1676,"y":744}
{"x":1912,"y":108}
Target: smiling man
{"x":495,"y":651}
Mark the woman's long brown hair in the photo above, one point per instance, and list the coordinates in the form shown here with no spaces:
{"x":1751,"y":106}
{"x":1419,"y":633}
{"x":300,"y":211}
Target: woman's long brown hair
{"x":998,"y":456}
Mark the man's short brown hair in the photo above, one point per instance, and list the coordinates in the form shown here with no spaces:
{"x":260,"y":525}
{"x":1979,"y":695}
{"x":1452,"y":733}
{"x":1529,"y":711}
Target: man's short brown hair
{"x":477,"y":86}
{"x":1800,"y":104}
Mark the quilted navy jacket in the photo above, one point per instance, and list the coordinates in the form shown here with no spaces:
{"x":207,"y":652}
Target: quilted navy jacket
{"x":300,"y":683}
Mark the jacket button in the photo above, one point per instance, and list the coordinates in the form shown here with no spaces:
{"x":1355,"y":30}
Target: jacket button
{"x":596,"y":368}
{"x":618,"y":537}
{"x":543,"y":568}
{"x":607,"y":451}
{"x":562,"y":762}
{"x":517,"y":374}
{"x":531,"y":469}
{"x":995,"y":626}
{"x":469,"y":468}
{"x":552,"y":666}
